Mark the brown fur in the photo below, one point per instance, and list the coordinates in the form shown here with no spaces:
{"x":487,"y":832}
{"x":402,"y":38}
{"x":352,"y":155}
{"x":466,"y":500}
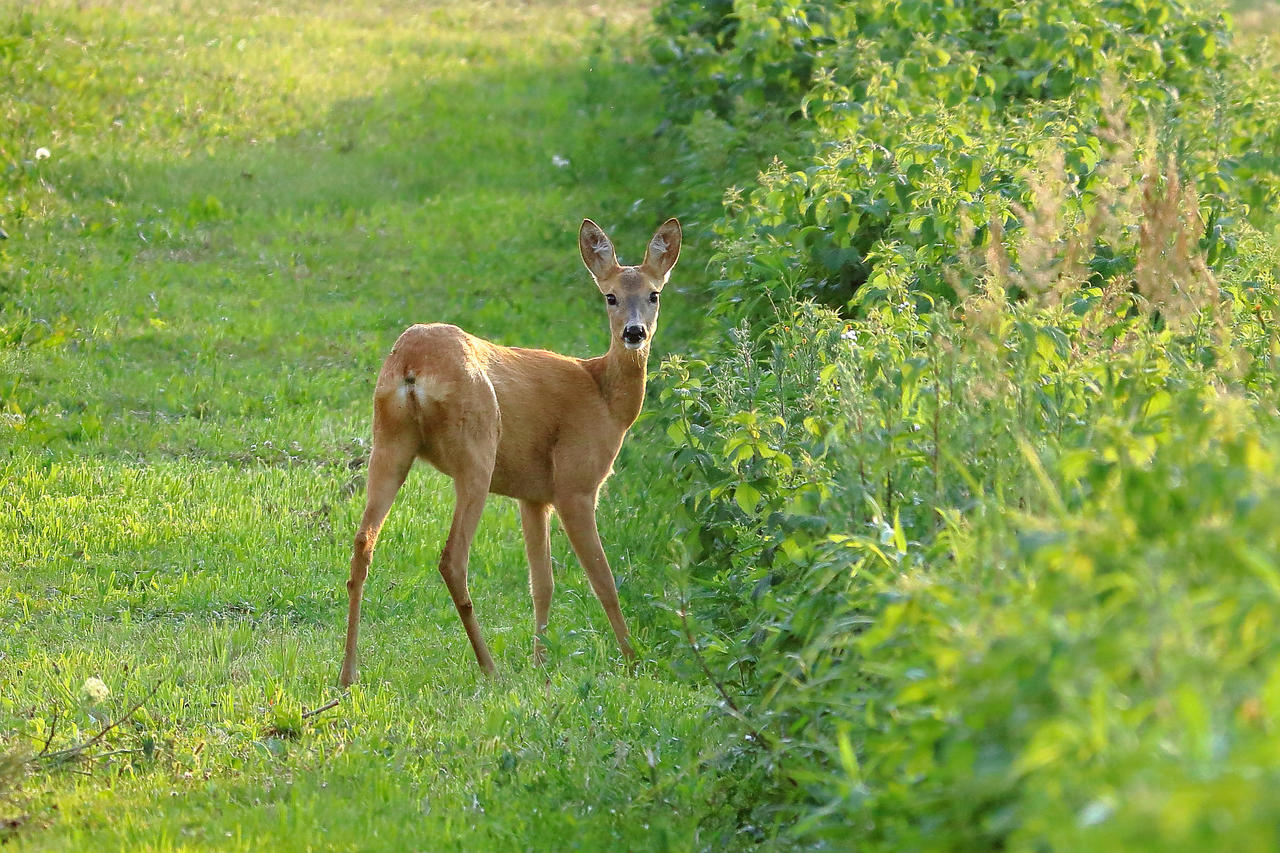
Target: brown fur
{"x":529,"y":424}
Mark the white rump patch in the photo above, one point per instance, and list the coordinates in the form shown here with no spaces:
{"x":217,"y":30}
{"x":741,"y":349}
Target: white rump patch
{"x":432,"y":388}
{"x":424,"y":389}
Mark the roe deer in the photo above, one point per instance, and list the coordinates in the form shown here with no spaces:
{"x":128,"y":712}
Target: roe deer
{"x":530,"y":424}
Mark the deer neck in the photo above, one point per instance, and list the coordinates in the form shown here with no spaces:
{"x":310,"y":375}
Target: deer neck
{"x":620,"y":373}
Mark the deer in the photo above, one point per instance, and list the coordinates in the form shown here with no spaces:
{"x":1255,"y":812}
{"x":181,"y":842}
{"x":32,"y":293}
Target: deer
{"x":528,"y":424}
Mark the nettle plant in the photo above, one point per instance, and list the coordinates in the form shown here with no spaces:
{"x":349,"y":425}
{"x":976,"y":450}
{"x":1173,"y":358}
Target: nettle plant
{"x":972,"y":558}
{"x":749,"y":443}
{"x":915,"y":213}
{"x":736,"y":56}
{"x":921,"y":118}
{"x":1001,"y":657}
{"x":854,"y":494}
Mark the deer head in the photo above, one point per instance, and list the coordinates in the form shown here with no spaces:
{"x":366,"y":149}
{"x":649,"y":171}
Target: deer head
{"x":631,"y":293}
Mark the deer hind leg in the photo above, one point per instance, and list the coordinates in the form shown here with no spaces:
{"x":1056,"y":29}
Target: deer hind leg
{"x":389,"y":464}
{"x":537,"y":547}
{"x":578,"y":517}
{"x":470,"y":444}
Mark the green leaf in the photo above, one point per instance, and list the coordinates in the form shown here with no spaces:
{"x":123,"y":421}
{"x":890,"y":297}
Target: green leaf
{"x":747,"y":497}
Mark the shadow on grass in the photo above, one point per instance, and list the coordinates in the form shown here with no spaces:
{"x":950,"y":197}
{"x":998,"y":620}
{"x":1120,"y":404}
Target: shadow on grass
{"x":493,"y":147}
{"x":262,"y":276}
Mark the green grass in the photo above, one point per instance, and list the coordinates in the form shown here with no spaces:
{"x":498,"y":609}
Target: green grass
{"x":241,"y":208}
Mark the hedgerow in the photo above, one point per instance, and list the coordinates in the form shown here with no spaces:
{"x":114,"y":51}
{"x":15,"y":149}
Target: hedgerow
{"x":920,"y":119}
{"x":982,"y":554}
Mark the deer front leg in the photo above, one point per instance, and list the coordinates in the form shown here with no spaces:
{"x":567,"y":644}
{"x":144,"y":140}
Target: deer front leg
{"x":388,"y":466}
{"x":537,"y":547}
{"x":578,"y":516}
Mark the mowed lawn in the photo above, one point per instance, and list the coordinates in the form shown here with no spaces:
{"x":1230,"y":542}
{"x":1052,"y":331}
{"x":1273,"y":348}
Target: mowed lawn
{"x":221,"y":216}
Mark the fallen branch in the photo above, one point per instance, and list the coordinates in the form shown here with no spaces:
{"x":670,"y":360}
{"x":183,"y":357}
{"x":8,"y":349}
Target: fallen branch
{"x":103,"y":755}
{"x":333,"y":703}
{"x":53,"y":728}
{"x":72,"y":753}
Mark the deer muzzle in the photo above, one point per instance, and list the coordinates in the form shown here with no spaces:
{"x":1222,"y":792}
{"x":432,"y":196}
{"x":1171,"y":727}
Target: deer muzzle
{"x":634,"y":336}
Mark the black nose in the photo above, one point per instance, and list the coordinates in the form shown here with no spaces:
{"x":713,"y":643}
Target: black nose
{"x":633,"y":334}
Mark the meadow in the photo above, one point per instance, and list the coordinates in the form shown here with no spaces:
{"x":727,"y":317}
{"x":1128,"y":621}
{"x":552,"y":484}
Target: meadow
{"x":951,"y":522}
{"x":241,"y":207}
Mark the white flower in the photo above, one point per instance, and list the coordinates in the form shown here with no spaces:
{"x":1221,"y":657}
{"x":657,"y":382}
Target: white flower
{"x":43,"y":154}
{"x":94,"y":690}
{"x":558,"y":161}
{"x":886,"y":533}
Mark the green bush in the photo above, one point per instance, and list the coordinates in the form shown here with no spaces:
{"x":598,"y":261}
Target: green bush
{"x":982,"y":554}
{"x":999,"y":578}
{"x":992,"y":564}
{"x":728,"y":56}
{"x":923,"y":122}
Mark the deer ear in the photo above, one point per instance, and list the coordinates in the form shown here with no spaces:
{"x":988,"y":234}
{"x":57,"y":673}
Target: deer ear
{"x":663,"y":250}
{"x":597,"y":251}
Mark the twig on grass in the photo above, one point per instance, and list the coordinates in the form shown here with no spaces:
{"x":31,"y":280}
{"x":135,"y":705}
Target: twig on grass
{"x":72,"y":753}
{"x":103,"y":755}
{"x":333,"y":703}
{"x":53,"y":728}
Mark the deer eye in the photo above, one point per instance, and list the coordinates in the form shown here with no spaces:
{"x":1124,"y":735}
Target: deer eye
{"x":611,"y":299}
{"x":653,"y":297}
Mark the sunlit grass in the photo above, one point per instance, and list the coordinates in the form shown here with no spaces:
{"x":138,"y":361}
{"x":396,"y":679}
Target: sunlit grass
{"x":241,"y":207}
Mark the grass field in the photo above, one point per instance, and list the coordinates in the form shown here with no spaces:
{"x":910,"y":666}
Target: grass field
{"x":221,"y":216}
{"x":959,"y":472}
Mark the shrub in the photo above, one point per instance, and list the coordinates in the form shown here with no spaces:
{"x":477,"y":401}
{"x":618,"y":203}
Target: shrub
{"x":981,"y":554}
{"x":923,"y":119}
{"x":1001,"y":575}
